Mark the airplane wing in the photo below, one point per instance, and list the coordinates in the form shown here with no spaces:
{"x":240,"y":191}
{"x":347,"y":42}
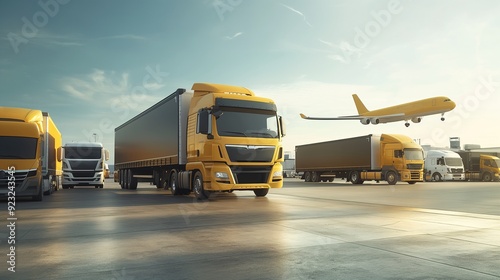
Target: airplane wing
{"x":355,"y":117}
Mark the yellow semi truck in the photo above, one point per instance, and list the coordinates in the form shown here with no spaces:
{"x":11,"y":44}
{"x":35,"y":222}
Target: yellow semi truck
{"x":215,"y":138}
{"x":389,"y":157}
{"x":30,"y":146}
{"x":481,"y":166}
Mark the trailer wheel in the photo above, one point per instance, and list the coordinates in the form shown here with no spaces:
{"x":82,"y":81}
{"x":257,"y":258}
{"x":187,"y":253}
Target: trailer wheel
{"x":315,"y":177}
{"x":307,"y":176}
{"x":487,"y":177}
{"x":132,"y":181}
{"x":198,"y":189}
{"x":260,"y":192}
{"x":391,"y":177}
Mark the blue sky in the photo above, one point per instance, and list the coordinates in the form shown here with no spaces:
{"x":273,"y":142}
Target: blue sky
{"x":95,"y":64}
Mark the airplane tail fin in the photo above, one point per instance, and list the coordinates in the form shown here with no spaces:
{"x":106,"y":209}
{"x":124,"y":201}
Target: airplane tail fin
{"x":359,"y":105}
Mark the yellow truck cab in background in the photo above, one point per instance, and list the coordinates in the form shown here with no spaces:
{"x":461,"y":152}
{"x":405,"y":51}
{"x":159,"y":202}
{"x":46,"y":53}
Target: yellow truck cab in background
{"x":481,"y":166}
{"x":30,"y":144}
{"x":389,"y":157}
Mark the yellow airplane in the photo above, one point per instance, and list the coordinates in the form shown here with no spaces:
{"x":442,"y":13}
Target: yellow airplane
{"x":413,"y":111}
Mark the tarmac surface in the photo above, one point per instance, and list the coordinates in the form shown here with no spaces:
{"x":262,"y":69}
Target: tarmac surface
{"x":446,"y":230}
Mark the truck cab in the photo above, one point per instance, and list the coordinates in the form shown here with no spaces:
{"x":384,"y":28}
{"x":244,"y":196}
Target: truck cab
{"x":489,"y":167}
{"x":443,"y":165}
{"x":84,"y":164}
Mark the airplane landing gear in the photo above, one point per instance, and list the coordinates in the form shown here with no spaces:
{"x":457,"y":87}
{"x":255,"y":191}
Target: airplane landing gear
{"x":407,"y":124}
{"x":442,"y":117}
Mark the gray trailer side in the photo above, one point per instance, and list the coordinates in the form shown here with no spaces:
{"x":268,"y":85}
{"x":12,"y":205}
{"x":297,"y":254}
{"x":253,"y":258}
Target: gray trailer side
{"x":154,"y":138}
{"x":352,"y":153}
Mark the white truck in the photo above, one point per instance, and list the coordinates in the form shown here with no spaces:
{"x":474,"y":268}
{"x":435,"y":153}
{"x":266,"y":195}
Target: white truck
{"x":83,"y":164}
{"x":443,"y":165}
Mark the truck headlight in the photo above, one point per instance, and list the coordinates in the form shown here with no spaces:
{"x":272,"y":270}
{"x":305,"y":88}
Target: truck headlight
{"x":278,"y":174}
{"x":221,"y":176}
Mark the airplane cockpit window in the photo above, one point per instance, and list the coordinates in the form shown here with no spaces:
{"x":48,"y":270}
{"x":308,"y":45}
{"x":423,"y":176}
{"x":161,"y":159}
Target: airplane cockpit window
{"x":447,"y":100}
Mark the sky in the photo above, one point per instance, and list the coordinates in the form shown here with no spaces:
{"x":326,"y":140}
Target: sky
{"x":95,"y":64}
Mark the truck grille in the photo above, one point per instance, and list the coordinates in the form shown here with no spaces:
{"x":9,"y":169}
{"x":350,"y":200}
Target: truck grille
{"x":250,"y":175}
{"x":19,"y":176}
{"x":414,"y":166}
{"x":83,"y":174}
{"x":248,"y":153}
{"x":457,"y":170}
{"x":83,"y":165}
{"x":415,"y":175}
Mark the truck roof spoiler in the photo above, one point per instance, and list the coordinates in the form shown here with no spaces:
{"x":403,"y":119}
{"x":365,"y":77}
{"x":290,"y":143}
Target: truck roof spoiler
{"x":204,"y":88}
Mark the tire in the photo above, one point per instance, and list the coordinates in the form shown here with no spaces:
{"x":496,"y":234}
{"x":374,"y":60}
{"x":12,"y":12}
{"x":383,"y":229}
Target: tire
{"x":436,"y":177}
{"x":173,"y":183}
{"x":330,"y":180}
{"x":391,"y":177}
{"x":65,"y":187}
{"x":315,"y":177}
{"x":198,"y":189}
{"x":487,"y":177}
{"x":39,"y":196}
{"x":132,"y":181}
{"x":412,"y":182}
{"x":260,"y":192}
{"x":355,"y":178}
{"x":307,"y":176}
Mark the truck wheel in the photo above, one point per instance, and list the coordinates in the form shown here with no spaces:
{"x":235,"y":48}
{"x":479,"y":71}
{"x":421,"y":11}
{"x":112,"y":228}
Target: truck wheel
{"x":260,"y":192}
{"x":174,"y":188}
{"x":436,"y":177}
{"x":307,"y":176}
{"x":391,"y":178}
{"x":132,"y":181}
{"x":487,"y":177}
{"x":315,"y":177}
{"x":355,"y":178}
{"x":198,"y":189}
{"x":39,"y":196}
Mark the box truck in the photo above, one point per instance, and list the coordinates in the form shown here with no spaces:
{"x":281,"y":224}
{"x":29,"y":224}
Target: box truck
{"x":443,"y":165}
{"x":84,"y":164}
{"x":389,"y":157}
{"x":481,"y":166}
{"x":30,"y":147}
{"x":215,"y":138}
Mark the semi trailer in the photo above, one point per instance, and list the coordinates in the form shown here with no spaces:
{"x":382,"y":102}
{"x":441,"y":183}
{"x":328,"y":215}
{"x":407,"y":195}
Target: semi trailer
{"x":30,"y":147}
{"x":214,"y":138}
{"x":389,"y":157}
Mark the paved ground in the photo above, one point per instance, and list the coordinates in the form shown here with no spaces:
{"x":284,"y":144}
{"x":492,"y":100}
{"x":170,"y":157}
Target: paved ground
{"x":303,"y":231}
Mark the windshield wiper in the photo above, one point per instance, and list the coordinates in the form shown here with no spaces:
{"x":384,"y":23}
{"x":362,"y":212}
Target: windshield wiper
{"x":233,"y":132}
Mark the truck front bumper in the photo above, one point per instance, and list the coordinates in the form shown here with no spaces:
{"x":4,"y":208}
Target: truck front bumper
{"x":228,"y":178}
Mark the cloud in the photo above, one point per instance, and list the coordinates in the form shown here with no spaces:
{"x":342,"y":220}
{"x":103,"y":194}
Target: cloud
{"x":126,"y":37}
{"x":234,"y":36}
{"x":297,"y":12}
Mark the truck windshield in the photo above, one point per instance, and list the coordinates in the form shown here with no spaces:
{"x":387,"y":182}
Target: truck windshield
{"x":495,"y":163}
{"x":413,"y":154}
{"x":82,"y":152}
{"x":247,"y":123}
{"x":453,"y":161}
{"x":17,"y":147}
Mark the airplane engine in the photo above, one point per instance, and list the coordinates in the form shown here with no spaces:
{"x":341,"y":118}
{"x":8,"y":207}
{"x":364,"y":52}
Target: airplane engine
{"x":416,"y":119}
{"x":365,"y":121}
{"x":374,"y":121}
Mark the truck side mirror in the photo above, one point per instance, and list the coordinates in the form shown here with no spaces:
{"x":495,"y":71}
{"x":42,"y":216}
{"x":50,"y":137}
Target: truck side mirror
{"x":59,"y":154}
{"x":203,"y":122}
{"x":282,"y":126}
{"x":106,"y":155}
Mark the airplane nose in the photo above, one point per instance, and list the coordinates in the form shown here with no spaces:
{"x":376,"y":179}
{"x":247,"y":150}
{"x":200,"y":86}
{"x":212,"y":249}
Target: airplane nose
{"x":452,"y":105}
